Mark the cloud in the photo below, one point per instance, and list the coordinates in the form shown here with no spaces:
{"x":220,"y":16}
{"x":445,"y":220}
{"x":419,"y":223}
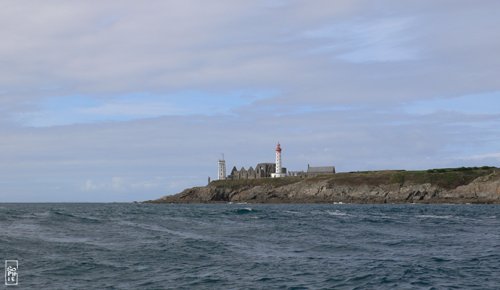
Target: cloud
{"x":378,"y":40}
{"x":119,"y":100}
{"x":488,"y":156}
{"x":142,"y":159}
{"x":166,"y":47}
{"x":120,"y":184}
{"x":68,"y":110}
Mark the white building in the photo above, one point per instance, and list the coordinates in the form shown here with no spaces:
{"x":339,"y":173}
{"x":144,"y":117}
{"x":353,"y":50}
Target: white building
{"x":222,"y":169}
{"x":279,"y":169}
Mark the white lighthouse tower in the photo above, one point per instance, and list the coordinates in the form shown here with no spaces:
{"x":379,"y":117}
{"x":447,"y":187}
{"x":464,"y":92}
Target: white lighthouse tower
{"x":222,"y":168}
{"x":279,"y":170}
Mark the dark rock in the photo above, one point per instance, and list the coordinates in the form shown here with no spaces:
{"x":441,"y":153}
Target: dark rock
{"x":459,"y":186}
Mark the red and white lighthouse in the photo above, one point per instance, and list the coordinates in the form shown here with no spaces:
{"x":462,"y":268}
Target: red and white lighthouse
{"x":279,"y":168}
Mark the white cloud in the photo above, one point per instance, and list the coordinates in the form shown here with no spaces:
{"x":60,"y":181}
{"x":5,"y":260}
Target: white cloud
{"x":376,"y":40}
{"x":351,"y":84}
{"x":495,"y":155}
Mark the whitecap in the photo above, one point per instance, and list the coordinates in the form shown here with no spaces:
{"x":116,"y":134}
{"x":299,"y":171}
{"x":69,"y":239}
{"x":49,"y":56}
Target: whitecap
{"x":336,"y":213}
{"x":435,"y":216}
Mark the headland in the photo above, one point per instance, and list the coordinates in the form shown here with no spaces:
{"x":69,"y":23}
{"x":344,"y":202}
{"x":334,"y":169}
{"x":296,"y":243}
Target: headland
{"x":450,"y":185}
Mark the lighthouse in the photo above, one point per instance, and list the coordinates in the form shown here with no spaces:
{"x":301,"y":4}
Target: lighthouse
{"x":222,"y":168}
{"x":279,"y":170}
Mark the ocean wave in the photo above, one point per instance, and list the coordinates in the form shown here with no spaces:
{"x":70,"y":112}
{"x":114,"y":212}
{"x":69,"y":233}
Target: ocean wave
{"x":336,"y":213}
{"x":161,"y":229}
{"x":244,"y":210}
{"x":430,"y":216}
{"x":69,"y":216}
{"x":253,"y":246}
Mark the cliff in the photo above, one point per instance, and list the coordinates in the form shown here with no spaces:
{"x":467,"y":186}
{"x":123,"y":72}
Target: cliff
{"x":460,"y":185}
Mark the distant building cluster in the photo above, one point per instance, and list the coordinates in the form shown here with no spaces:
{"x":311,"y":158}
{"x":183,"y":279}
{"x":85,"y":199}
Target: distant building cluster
{"x":262,"y":170}
{"x":270,"y":170}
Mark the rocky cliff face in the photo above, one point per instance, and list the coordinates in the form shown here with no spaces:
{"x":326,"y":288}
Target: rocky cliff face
{"x":484,"y":189}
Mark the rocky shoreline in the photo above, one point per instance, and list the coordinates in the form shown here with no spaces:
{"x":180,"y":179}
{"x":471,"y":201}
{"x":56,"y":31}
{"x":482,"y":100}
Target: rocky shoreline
{"x":458,"y":186}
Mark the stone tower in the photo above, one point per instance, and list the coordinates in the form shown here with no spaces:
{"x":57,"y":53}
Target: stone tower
{"x":222,"y":168}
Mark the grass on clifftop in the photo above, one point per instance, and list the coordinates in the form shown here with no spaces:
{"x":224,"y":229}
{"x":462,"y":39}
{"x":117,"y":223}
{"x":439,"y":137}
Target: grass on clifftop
{"x":235,"y":184}
{"x":448,"y":178}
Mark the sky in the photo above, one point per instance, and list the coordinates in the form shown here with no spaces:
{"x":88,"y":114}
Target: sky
{"x":117,"y":101}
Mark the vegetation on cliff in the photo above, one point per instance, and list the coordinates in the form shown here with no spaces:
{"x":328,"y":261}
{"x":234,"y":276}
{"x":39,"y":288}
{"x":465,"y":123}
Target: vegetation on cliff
{"x":447,"y":178}
{"x":434,"y":185}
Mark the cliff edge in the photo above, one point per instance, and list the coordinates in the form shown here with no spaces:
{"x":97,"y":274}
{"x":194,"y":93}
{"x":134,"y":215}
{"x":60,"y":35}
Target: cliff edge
{"x":459,"y":185}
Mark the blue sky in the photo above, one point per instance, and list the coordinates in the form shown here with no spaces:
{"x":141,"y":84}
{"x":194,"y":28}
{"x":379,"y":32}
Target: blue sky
{"x":123,"y":101}
{"x":80,"y":109}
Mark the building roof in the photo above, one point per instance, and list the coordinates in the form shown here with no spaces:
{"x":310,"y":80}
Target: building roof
{"x":266,"y":163}
{"x":321,"y":169}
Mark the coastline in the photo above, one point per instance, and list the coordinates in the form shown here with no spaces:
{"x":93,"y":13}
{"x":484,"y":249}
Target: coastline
{"x":435,"y":186}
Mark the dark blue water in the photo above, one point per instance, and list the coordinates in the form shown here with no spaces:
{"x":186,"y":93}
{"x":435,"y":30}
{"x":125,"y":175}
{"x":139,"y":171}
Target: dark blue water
{"x":136,"y":246}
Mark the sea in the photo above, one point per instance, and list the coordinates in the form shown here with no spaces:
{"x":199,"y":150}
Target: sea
{"x":250,"y":246}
